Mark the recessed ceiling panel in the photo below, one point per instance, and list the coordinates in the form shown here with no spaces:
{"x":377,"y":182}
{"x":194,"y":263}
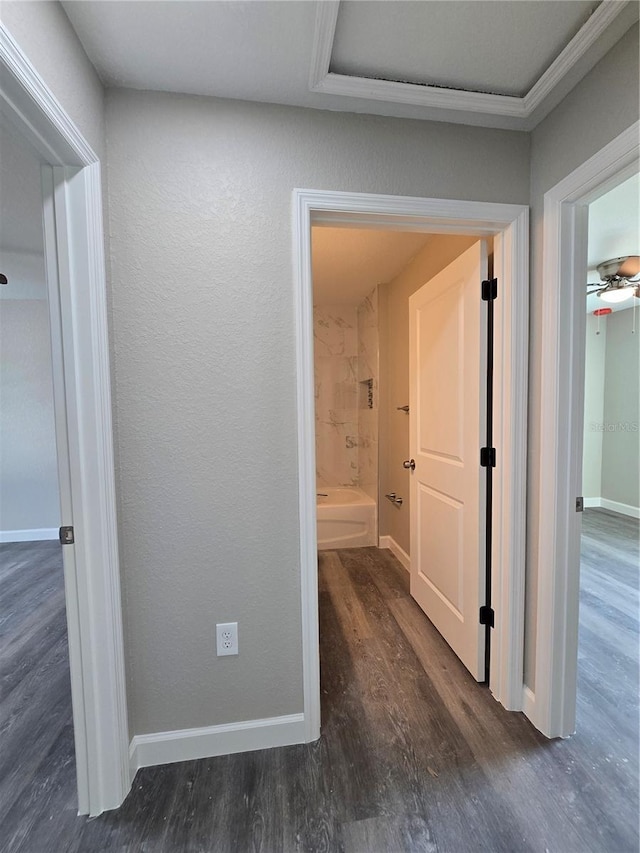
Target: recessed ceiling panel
{"x":497,"y":46}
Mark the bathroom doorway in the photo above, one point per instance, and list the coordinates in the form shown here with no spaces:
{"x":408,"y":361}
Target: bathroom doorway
{"x":507,"y":225}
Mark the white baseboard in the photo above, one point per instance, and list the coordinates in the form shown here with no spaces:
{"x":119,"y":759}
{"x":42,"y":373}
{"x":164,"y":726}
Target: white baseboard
{"x":189,"y":744}
{"x":398,"y":552}
{"x":592,"y":503}
{"x":38,"y":534}
{"x":623,"y":509}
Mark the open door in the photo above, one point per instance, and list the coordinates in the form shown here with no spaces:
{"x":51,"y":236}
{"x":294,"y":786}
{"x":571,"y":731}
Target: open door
{"x":447,"y":375}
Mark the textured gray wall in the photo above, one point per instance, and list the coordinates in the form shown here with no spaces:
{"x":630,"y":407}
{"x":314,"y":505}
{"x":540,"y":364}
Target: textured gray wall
{"x":203,"y":315}
{"x":600,"y":107}
{"x":44,"y":33}
{"x":29,"y":497}
{"x":620,"y":439}
{"x":595,"y":350}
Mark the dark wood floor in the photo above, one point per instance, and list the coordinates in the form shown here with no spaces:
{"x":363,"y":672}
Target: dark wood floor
{"x":414,"y":756}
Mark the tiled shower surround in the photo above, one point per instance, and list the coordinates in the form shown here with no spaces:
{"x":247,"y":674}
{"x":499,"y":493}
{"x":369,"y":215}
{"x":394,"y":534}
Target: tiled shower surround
{"x":368,"y":380}
{"x":346,"y":393}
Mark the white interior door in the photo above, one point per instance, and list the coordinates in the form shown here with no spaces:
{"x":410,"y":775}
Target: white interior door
{"x":447,"y":346}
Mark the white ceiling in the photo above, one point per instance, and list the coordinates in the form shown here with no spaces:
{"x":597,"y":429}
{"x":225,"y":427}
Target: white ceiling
{"x":436,"y":43}
{"x":614,"y":231}
{"x":347,"y":263}
{"x":313,"y":54}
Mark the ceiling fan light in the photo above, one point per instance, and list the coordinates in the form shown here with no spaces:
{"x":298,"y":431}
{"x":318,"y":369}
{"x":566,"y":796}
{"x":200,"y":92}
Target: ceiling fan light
{"x":616,"y":294}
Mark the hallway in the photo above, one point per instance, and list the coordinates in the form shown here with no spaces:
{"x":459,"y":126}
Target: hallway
{"x":414,"y":755}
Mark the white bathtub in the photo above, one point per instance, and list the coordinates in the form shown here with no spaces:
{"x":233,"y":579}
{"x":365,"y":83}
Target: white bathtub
{"x":346,"y":518}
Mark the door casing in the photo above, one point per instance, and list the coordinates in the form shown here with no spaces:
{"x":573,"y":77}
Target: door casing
{"x":509,"y":225}
{"x":551,"y":702}
{"x":76,"y":284}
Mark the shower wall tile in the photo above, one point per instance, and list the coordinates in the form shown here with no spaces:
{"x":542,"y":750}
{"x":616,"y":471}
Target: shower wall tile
{"x":336,"y":395}
{"x":368,"y":372}
{"x":346,"y":394}
{"x":368,"y":337}
{"x":335,"y":331}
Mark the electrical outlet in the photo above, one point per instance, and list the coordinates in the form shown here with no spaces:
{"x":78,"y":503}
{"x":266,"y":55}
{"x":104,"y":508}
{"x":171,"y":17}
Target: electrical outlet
{"x":227,"y":638}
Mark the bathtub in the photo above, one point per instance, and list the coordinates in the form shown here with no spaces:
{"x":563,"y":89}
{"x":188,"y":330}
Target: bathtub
{"x":346,"y":518}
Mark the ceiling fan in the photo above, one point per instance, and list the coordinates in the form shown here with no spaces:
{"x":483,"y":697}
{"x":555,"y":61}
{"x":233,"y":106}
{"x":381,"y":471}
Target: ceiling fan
{"x":621,"y":277}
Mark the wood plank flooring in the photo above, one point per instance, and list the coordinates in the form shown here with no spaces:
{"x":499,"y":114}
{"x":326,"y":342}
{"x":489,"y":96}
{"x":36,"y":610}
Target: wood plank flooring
{"x":414,"y":755}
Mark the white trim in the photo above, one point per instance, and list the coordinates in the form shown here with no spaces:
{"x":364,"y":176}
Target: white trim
{"x":562,"y":426}
{"x":37,"y":534}
{"x":322,"y":80}
{"x":398,"y":552}
{"x":189,"y":744}
{"x":528,"y":702}
{"x":93,"y":597}
{"x":510,"y":225}
{"x":303,"y":296}
{"x":623,"y":509}
{"x":592,"y":503}
{"x":510,"y":415}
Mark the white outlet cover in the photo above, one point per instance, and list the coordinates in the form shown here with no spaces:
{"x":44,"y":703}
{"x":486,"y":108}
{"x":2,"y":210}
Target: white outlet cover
{"x":227,"y":638}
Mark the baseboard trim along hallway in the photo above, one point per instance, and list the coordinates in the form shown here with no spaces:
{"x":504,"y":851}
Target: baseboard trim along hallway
{"x":187,"y":744}
{"x":38,"y":534}
{"x":401,"y":555}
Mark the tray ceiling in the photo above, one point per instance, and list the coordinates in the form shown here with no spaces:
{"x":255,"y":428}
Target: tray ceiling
{"x":486,"y":62}
{"x":499,"y":47}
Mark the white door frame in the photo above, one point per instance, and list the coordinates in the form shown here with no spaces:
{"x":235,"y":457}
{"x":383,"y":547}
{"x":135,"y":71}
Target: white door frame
{"x":76,"y":282}
{"x":552,"y":704}
{"x":509,"y":224}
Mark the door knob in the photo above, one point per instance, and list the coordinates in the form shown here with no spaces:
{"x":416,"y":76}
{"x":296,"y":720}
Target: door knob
{"x":409,"y":463}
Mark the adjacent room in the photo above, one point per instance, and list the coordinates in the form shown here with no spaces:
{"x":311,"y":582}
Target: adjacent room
{"x":35,"y":703}
{"x":609,"y":605}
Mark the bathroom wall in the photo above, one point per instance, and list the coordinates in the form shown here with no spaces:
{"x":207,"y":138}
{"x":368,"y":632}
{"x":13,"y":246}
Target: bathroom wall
{"x":439,"y":251}
{"x":335,"y":333}
{"x":368,"y":393}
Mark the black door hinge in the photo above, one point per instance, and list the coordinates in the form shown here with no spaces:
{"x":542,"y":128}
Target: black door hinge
{"x":67,"y":536}
{"x":489,"y":289}
{"x":487,"y":616}
{"x":487,"y":457}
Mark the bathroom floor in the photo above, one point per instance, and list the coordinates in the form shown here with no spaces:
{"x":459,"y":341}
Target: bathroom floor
{"x":414,"y":755}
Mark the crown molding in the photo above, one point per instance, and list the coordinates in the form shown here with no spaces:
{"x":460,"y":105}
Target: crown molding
{"x":325,"y":81}
{"x":49,"y":109}
{"x":583,"y":40}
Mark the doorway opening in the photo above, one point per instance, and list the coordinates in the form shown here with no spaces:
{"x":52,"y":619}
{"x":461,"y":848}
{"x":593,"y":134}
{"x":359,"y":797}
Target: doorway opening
{"x":507,"y":225}
{"x":76,"y":290}
{"x":38,"y":738}
{"x":551,"y":704}
{"x":607,"y":682}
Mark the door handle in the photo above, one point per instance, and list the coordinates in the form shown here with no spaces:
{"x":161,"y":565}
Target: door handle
{"x":409,"y":463}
